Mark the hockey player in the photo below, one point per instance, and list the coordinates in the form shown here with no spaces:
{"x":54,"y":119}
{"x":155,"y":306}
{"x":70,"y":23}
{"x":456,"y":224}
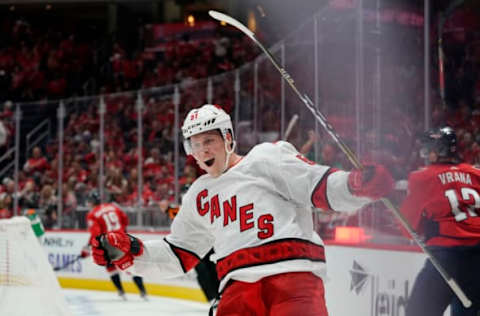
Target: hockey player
{"x":443,"y":204}
{"x":109,"y":218}
{"x":256,"y":213}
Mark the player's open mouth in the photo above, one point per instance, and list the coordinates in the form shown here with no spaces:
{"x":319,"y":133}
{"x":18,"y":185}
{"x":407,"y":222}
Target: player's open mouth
{"x":210,"y":162}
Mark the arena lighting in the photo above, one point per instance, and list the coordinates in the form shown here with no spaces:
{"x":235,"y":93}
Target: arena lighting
{"x":351,"y":235}
{"x":252,"y":21}
{"x":191,"y":20}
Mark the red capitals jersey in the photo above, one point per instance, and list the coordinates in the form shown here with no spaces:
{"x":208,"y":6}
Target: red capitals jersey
{"x":105,"y":218}
{"x":445,"y":197}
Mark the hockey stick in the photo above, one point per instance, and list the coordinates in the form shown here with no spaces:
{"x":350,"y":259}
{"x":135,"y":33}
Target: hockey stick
{"x":350,"y":154}
{"x":69,"y":263}
{"x":290,"y":126}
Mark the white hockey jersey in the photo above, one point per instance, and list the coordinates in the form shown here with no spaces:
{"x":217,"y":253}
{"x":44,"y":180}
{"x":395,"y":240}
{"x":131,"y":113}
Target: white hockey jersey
{"x":257,"y":216}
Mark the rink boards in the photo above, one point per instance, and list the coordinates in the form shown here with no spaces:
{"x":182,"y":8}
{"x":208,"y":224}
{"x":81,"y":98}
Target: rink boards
{"x":63,"y":247}
{"x":362,"y":280}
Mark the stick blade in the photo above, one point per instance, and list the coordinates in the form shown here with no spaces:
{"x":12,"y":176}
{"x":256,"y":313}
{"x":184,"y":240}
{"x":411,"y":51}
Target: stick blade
{"x":229,"y":20}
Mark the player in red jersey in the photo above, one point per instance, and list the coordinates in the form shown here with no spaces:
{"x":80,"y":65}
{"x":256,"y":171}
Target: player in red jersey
{"x":105,"y":218}
{"x":443,"y":205}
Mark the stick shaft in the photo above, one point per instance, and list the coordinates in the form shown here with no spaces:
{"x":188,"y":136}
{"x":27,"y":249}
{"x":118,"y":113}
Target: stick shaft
{"x":290,"y":126}
{"x":69,"y":263}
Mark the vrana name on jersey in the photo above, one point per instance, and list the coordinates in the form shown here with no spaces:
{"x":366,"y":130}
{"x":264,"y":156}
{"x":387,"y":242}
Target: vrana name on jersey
{"x":448,"y":177}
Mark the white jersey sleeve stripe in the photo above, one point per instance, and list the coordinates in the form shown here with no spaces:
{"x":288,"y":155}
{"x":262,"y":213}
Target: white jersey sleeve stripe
{"x":339,"y":195}
{"x":157,"y":259}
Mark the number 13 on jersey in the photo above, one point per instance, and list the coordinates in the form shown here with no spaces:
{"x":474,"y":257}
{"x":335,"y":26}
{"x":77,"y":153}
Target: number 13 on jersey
{"x":461,"y":202}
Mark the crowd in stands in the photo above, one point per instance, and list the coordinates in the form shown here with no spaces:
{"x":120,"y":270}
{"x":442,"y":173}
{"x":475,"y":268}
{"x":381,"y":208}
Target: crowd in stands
{"x":178,"y":61}
{"x":182,"y":61}
{"x":401,"y":122}
{"x":38,"y":62}
{"x":394,"y":141}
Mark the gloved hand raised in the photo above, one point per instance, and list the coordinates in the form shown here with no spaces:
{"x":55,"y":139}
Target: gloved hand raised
{"x":373,"y":181}
{"x":116,"y":248}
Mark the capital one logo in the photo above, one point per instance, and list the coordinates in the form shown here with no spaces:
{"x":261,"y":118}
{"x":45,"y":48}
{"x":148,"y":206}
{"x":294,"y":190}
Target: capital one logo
{"x":388,"y":296}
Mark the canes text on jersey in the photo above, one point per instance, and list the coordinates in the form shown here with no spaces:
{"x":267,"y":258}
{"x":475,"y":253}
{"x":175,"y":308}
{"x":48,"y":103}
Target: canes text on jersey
{"x":230,"y":213}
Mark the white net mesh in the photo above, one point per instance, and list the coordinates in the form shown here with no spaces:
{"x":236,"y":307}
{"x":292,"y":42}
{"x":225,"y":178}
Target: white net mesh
{"x":27,"y":282}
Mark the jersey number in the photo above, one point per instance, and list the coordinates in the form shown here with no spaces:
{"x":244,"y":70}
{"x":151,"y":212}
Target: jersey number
{"x":112,"y":221}
{"x":466,"y":195}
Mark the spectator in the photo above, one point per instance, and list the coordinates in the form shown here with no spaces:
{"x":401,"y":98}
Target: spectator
{"x":36,"y":163}
{"x":153,"y":164}
{"x":47,"y":198}
{"x":328,"y":151}
{"x":5,"y":212}
{"x":116,"y":184}
{"x":8,"y":194}
{"x":69,"y":201}
{"x":28,"y":195}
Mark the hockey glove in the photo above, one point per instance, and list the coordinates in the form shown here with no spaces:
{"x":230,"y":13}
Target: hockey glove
{"x":373,"y":181}
{"x":117,"y":248}
{"x":85,"y":251}
{"x":98,"y":252}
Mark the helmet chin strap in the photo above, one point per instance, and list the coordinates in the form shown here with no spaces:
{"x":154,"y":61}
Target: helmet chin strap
{"x":229,"y":153}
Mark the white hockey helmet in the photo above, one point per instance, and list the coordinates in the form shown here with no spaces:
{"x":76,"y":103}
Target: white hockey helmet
{"x":206,"y":118}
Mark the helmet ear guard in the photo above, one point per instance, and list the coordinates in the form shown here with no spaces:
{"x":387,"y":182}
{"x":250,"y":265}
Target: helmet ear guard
{"x":94,"y":197}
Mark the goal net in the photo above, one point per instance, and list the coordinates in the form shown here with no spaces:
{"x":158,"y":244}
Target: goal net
{"x":28,"y":285}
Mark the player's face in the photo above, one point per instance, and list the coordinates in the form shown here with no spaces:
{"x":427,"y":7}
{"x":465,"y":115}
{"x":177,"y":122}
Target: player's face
{"x":432,"y":157}
{"x":209,"y":150}
{"x":429,"y":155}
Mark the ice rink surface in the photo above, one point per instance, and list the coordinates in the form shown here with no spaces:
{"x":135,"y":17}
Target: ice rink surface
{"x":100,"y":303}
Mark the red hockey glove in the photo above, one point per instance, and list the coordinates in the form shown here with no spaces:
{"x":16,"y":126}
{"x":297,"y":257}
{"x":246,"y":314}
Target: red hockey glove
{"x":85,"y":252}
{"x":98,"y":253}
{"x":373,"y":181}
{"x":120,"y":249}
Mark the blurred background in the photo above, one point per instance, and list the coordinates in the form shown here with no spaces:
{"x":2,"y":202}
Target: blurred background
{"x":93,"y":94}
